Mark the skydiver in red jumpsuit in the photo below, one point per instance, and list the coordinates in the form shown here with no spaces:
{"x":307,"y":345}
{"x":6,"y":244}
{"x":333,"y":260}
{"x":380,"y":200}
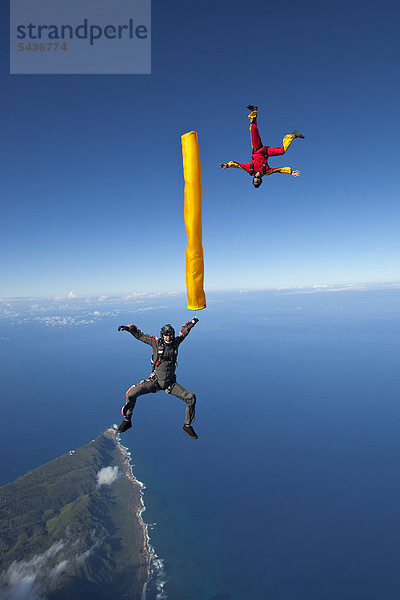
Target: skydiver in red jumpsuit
{"x":258,"y":167}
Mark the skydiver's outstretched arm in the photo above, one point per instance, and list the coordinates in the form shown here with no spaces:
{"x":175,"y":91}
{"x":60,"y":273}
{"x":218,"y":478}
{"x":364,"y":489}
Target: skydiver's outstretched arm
{"x":139,"y":335}
{"x":286,"y":170}
{"x":235,"y":165}
{"x":185,"y":330}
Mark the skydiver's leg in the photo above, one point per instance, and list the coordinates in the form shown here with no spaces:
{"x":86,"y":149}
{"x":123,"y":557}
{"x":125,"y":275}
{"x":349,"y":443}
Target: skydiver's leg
{"x":256,"y":142}
{"x":144,"y":387}
{"x":180,"y":392}
{"x":147,"y":386}
{"x":287,"y":140}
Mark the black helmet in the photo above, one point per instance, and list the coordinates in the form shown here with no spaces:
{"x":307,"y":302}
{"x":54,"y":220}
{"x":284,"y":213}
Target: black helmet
{"x":258,"y":183}
{"x":167,"y":330}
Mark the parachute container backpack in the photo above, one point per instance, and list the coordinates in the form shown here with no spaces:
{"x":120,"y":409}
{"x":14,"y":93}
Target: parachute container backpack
{"x":193,"y":222}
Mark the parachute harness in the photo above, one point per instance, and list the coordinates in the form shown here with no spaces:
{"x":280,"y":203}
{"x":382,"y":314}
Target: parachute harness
{"x":160,"y":354}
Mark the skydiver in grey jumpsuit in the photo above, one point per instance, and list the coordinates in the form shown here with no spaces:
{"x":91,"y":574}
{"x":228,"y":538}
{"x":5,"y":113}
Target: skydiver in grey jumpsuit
{"x":163,"y":360}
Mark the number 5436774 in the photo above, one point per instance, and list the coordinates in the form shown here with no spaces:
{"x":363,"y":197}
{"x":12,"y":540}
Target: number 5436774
{"x":42,"y":47}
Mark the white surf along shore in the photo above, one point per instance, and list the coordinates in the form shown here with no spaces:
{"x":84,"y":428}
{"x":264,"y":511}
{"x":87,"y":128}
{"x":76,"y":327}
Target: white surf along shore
{"x":156,"y":580}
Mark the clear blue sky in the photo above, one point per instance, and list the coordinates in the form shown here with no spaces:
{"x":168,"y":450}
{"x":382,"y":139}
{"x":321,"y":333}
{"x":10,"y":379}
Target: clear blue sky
{"x":92,"y":184}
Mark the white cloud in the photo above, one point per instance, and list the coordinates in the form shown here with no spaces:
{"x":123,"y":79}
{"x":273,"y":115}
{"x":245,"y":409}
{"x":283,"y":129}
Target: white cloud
{"x":59,"y":569}
{"x":107,"y":475}
{"x":148,"y":295}
{"x":57,"y":321}
{"x":21,"y":580}
{"x":72,"y":295}
{"x":32,"y":579}
{"x":322,"y":288}
{"x":25,"y":588}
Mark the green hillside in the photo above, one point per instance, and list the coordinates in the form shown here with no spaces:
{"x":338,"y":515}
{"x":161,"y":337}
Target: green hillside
{"x":68,"y":537}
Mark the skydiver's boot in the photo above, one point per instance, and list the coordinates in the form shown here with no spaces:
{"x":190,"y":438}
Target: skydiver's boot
{"x":125,"y":425}
{"x":190,"y":431}
{"x":297,"y":134}
{"x":127,"y":410}
{"x":253,"y":113}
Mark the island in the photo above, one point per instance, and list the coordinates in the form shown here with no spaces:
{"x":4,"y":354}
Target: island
{"x":72,"y":528}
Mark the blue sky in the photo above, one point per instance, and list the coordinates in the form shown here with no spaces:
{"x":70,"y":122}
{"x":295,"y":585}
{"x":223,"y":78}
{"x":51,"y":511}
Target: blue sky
{"x":92,"y":184}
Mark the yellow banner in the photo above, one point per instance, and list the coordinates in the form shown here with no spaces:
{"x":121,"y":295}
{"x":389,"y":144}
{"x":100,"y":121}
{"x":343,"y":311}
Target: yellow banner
{"x":193,"y":222}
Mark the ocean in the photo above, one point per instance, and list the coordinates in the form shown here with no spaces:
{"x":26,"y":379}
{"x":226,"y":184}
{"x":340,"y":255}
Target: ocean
{"x":291,"y":491}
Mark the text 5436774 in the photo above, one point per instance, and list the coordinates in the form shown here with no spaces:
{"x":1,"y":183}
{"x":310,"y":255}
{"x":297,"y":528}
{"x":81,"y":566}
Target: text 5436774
{"x":42,"y":47}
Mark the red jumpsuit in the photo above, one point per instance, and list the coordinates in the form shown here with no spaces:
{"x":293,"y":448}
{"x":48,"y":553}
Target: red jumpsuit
{"x":260,"y":154}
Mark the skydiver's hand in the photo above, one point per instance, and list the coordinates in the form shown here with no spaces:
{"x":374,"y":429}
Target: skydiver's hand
{"x":195,"y":320}
{"x":295,"y":173}
{"x":223,"y":165}
{"x":123,"y":328}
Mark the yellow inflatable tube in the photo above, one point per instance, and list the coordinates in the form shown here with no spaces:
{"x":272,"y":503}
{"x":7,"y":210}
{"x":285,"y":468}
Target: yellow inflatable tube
{"x":193,"y":222}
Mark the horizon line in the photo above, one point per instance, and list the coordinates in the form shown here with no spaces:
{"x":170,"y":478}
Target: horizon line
{"x":316,"y":287}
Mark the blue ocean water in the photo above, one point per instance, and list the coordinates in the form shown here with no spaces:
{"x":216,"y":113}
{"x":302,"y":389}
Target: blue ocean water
{"x":291,"y":491}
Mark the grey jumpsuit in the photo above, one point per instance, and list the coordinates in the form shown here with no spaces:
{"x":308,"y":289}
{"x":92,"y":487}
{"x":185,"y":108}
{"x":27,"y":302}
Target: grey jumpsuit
{"x":163,"y":375}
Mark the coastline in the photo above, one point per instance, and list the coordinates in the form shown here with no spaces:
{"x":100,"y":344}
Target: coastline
{"x":154,"y":566}
{"x":140,"y":526}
